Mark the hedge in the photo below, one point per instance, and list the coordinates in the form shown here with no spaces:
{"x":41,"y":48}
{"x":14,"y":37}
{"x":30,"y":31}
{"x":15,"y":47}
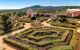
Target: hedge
{"x":62,"y":48}
{"x":19,"y":45}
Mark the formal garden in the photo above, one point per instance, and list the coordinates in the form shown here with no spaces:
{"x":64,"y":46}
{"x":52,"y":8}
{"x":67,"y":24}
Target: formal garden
{"x":63,"y":21}
{"x":45,"y":38}
{"x":60,"y":35}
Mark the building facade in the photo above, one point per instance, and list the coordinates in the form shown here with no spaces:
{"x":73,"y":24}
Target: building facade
{"x":73,"y":12}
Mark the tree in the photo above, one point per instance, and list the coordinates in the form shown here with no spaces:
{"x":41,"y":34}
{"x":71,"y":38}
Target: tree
{"x":7,"y":24}
{"x":62,"y":18}
{"x":20,"y":14}
{"x":33,"y":18}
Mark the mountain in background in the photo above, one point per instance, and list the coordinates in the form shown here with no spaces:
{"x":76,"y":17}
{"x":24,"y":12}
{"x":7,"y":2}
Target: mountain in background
{"x":38,"y":7}
{"x":51,"y":7}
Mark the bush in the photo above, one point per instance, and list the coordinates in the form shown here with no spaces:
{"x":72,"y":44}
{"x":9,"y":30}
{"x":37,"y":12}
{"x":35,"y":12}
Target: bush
{"x":28,"y":39}
{"x":62,"y":48}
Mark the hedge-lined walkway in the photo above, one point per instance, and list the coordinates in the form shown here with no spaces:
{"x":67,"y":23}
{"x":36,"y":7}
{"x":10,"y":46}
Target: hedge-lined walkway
{"x":9,"y":47}
{"x":45,"y":23}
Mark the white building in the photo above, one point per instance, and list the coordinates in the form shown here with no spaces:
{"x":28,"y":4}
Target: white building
{"x":72,"y":10}
{"x":30,"y":13}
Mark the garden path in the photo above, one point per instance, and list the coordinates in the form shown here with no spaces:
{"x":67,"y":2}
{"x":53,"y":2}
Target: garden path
{"x":10,"y":47}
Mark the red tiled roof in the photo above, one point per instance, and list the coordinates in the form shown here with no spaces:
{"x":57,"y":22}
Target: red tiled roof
{"x":77,"y":13}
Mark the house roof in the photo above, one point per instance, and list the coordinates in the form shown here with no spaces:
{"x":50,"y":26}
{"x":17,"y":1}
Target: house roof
{"x":72,"y":10}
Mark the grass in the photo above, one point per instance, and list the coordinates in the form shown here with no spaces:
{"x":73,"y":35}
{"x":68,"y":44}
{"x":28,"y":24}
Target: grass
{"x":64,"y":36}
{"x":41,"y":43}
{"x":42,"y":37}
{"x":18,"y":44}
{"x":71,"y":23}
{"x":42,"y":40}
{"x":24,"y":32}
{"x":74,"y":38}
{"x":62,"y":48}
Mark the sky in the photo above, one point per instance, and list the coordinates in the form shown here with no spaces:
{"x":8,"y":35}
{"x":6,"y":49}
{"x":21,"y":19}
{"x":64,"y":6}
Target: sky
{"x":17,"y":4}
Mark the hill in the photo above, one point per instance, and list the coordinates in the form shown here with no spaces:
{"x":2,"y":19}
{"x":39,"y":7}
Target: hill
{"x":38,"y":7}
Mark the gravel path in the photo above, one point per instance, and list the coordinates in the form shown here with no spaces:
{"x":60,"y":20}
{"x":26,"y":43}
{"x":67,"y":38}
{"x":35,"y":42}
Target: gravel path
{"x":45,"y":23}
{"x":77,"y":46}
{"x":9,"y":47}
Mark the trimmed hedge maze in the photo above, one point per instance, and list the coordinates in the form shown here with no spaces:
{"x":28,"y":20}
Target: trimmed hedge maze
{"x":47,"y":38}
{"x":70,"y":22}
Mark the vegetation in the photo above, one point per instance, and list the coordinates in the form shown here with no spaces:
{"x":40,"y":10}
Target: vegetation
{"x":61,"y":35}
{"x":7,"y":24}
{"x":37,"y":39}
{"x":64,"y":22}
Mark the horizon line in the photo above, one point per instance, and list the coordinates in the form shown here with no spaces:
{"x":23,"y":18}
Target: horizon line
{"x":34,"y":5}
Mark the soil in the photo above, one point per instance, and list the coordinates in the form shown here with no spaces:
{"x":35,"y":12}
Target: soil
{"x":10,"y":47}
{"x":77,"y":46}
